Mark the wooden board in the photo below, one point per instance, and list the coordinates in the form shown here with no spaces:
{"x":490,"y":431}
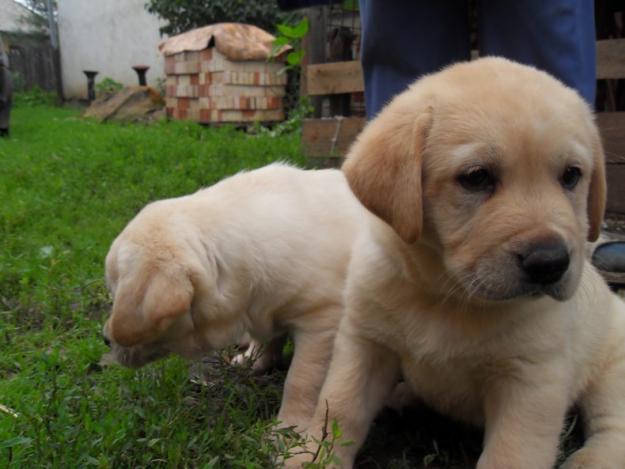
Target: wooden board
{"x":346,"y":77}
{"x":616,"y":188}
{"x":334,"y":78}
{"x":612,"y":127}
{"x":330,"y":137}
{"x":611,"y":58}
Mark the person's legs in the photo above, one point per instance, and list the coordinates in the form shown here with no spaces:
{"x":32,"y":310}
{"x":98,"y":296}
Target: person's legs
{"x":402,"y":40}
{"x":557,"y":36}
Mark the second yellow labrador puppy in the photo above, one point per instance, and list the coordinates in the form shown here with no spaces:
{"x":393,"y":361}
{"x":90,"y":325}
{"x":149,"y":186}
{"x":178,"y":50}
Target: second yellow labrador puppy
{"x":484,"y":181}
{"x":260,"y":253}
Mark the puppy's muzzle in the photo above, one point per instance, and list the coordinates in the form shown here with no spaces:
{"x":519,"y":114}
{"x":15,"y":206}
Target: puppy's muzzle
{"x":545,"y":262}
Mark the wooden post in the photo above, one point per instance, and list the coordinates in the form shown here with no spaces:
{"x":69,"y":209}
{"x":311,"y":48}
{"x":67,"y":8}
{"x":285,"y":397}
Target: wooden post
{"x":314,"y":45}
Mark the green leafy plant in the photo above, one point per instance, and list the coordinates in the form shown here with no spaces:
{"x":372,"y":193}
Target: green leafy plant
{"x":161,"y":86}
{"x":350,"y":5}
{"x":291,"y":36}
{"x":324,"y":456}
{"x":300,"y":111}
{"x":108,"y":86}
{"x":34,"y":97}
{"x":298,"y":107}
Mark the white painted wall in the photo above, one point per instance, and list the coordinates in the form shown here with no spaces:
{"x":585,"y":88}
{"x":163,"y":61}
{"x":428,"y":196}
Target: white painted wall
{"x":109,"y":36}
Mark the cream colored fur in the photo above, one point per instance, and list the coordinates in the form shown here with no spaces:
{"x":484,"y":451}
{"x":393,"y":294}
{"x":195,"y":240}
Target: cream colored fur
{"x":434,"y":288}
{"x":261,"y":253}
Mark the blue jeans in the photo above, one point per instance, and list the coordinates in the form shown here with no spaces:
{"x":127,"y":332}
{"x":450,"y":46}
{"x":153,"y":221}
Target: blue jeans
{"x":404,"y":39}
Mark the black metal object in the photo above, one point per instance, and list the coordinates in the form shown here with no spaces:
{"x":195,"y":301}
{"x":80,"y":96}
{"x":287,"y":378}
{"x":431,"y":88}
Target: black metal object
{"x":6,"y":91}
{"x":141,"y":71}
{"x":90,"y":74}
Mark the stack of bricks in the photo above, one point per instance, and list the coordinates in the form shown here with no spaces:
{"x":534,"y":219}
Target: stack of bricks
{"x":206,"y":87}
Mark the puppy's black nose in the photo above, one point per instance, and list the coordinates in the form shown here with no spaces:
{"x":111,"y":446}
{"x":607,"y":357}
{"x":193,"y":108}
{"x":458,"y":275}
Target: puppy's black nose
{"x":106,"y":341}
{"x":545,"y":262}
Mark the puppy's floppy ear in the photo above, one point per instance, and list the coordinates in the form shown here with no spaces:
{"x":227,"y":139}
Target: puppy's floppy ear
{"x":597,"y":191}
{"x":383,"y":167}
{"x":143,"y":308}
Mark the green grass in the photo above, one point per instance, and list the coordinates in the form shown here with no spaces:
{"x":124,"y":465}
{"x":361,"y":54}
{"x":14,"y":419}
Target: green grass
{"x":68,"y":186}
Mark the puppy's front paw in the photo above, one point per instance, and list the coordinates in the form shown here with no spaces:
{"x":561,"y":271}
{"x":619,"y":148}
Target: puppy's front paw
{"x":239,"y":360}
{"x":588,"y":458}
{"x":259,"y":360}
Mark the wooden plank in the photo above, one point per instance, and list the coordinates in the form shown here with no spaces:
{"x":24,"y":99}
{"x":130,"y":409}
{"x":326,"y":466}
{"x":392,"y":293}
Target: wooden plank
{"x":616,"y":188}
{"x":611,"y":58}
{"x":611,"y":125}
{"x":330,"y":137}
{"x":335,"y":78}
{"x":612,"y":128}
{"x":346,"y":77}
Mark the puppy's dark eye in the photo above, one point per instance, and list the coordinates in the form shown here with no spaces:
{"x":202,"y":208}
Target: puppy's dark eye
{"x":571,"y":177}
{"x":478,"y":179}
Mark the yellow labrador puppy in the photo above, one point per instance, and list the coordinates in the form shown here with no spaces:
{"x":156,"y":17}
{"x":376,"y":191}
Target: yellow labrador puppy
{"x":263,"y":252}
{"x":486,"y":179}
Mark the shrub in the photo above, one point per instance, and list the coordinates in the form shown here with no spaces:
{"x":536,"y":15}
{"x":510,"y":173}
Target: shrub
{"x":183,"y":15}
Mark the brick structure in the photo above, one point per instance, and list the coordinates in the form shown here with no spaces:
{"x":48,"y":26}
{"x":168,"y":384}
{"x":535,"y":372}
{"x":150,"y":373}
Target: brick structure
{"x":221,"y":73}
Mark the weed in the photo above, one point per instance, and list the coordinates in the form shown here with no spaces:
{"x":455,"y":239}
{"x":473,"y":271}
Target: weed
{"x":34,"y":97}
{"x":108,"y":86}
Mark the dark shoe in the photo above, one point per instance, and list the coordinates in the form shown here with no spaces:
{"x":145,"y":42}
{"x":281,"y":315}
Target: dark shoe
{"x":609,"y":259}
{"x":4,"y":132}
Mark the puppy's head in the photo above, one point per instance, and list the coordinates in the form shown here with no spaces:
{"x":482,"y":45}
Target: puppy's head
{"x":152,"y":295}
{"x":496,"y":166}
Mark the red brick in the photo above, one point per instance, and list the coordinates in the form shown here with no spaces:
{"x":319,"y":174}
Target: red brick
{"x":205,"y":115}
{"x":206,"y":54}
{"x":273,"y":103}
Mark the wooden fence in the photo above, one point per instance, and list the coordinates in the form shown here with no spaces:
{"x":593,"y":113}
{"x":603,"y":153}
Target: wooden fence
{"x":32,"y":61}
{"x":331,"y":137}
